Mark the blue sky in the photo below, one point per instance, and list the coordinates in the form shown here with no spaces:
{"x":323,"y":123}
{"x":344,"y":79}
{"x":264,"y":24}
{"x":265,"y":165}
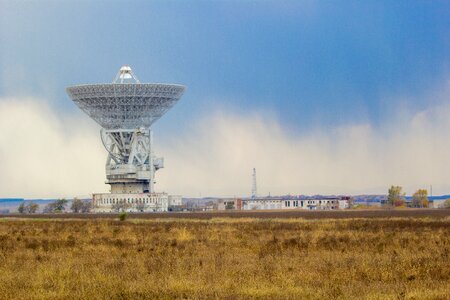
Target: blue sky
{"x":310,"y":62}
{"x":313,"y":66}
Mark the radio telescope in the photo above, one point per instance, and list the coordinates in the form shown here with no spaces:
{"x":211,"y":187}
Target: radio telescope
{"x":126,"y":109}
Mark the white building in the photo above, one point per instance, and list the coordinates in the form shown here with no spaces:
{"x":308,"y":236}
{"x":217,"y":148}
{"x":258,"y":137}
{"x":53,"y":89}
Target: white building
{"x":438,"y":203}
{"x":175,"y":200}
{"x":142,"y":202}
{"x":312,"y":204}
{"x":325,"y":203}
{"x":262,"y":203}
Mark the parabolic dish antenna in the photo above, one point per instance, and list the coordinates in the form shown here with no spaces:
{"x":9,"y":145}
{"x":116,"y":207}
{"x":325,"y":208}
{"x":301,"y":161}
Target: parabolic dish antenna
{"x":126,"y":109}
{"x":124,"y":104}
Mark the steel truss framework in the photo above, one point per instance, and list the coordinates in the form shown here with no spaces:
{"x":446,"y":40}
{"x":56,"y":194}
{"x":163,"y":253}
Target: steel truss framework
{"x":130,"y":157}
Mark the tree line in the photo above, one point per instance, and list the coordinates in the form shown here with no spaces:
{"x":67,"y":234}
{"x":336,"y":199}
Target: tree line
{"x":396,"y":198}
{"x":58,"y":206}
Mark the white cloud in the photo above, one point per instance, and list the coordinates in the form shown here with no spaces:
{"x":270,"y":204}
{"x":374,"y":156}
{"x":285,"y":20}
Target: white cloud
{"x":44,"y":154}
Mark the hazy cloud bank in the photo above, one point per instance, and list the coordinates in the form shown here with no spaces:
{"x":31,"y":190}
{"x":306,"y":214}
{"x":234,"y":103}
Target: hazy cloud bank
{"x":217,"y":154}
{"x":43,"y":154}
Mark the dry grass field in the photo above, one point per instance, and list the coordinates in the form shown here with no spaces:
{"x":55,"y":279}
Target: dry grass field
{"x":376,"y":258}
{"x":278,"y":214}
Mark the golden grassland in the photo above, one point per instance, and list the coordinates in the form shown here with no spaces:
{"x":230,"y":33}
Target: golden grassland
{"x":399,"y":258}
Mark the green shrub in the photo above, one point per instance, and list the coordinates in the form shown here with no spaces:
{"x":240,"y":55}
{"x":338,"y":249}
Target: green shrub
{"x":123,"y":216}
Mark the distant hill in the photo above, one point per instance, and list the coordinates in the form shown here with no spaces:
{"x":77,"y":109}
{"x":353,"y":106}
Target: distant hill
{"x":5,"y":200}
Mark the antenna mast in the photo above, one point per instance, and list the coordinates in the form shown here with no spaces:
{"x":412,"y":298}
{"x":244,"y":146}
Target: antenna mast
{"x":254,"y":193}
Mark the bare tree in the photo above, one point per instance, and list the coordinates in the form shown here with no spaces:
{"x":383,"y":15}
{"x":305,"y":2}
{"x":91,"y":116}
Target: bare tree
{"x":21,"y":208}
{"x":141,"y":207}
{"x":57,"y":206}
{"x":87,"y":206}
{"x":120,"y":206}
{"x":77,"y":205}
{"x":29,"y":208}
{"x":32,"y":208}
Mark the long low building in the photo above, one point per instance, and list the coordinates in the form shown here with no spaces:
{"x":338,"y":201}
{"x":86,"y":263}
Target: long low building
{"x":135,"y":202}
{"x":281,"y":203}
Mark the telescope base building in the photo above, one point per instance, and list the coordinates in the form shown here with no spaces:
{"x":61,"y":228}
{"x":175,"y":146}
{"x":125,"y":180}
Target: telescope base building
{"x":139,"y":202}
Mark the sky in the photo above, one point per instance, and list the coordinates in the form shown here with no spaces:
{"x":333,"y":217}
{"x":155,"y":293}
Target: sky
{"x":321,"y":97}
